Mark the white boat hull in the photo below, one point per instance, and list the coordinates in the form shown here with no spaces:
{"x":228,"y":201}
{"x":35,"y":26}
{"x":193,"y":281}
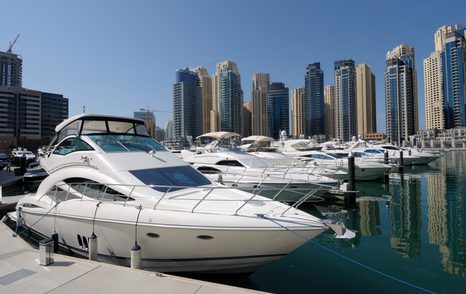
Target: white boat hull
{"x":170,"y":247}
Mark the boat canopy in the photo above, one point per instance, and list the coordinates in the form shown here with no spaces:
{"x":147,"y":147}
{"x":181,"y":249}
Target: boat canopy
{"x":258,"y":139}
{"x":219,"y":135}
{"x":91,"y":117}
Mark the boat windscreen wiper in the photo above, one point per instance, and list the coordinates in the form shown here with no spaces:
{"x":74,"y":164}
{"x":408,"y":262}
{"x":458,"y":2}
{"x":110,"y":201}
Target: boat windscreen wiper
{"x":131,"y":145}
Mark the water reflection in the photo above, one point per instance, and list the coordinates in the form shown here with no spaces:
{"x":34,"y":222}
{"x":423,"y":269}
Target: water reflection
{"x":406,"y":216}
{"x":446,"y":213}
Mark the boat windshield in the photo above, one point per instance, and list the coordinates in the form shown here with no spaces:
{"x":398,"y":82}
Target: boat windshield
{"x":168,"y":178}
{"x":125,"y":143}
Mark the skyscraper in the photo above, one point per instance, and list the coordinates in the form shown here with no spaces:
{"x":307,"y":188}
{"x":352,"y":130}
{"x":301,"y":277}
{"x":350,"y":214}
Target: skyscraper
{"x":433,"y":91}
{"x":297,"y":112}
{"x":365,"y":100}
{"x":454,"y":79}
{"x":11,"y":70}
{"x":259,"y":92}
{"x":206,"y":89}
{"x":228,"y":97}
{"x":278,"y":109}
{"x":345,"y":99}
{"x":247,"y":119}
{"x":314,"y":99}
{"x":401,"y":94}
{"x":187,"y":104}
{"x":329,"y":106}
{"x":434,"y":87}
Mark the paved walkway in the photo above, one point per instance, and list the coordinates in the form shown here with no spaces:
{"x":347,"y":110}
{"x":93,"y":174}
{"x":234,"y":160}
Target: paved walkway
{"x":20,"y":272}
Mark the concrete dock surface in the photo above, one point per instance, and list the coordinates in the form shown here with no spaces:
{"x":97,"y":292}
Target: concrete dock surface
{"x":20,"y":272}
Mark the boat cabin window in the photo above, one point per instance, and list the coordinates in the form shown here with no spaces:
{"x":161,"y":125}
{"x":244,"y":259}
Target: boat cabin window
{"x":178,"y":177}
{"x":71,"y":145}
{"x":209,"y":170}
{"x":94,"y":126}
{"x":229,"y":163}
{"x":71,"y":129}
{"x":373,"y":151}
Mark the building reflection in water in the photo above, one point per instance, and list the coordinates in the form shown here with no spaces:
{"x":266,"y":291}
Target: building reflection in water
{"x":369,"y":218}
{"x":406,"y":217}
{"x":446,"y":211}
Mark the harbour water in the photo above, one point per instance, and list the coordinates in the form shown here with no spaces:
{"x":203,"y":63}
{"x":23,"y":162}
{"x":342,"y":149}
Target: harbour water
{"x":411,"y":238}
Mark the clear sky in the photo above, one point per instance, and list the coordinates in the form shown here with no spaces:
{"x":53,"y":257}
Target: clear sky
{"x":116,"y":57}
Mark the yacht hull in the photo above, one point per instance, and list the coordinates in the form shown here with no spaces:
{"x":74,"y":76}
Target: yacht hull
{"x":171,"y":247}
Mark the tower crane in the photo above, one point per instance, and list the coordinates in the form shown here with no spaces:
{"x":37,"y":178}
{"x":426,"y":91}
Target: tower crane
{"x":12,"y":44}
{"x":149,"y":109}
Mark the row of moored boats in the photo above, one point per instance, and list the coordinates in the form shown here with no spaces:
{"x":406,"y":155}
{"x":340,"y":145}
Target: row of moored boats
{"x":218,"y":209}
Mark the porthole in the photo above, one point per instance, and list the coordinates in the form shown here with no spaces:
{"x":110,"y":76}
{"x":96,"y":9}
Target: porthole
{"x":204,"y":237}
{"x":153,"y":235}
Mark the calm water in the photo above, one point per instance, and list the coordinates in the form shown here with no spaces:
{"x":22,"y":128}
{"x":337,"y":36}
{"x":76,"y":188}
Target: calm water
{"x":412,"y":229}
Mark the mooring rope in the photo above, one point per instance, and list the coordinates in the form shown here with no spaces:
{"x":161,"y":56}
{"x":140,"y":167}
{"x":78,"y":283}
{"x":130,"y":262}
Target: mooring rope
{"x":350,"y":259}
{"x":30,"y":227}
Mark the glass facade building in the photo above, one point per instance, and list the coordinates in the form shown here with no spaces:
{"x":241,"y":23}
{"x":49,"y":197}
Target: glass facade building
{"x":231,"y":102}
{"x":187,"y":104}
{"x":29,"y":117}
{"x":400,"y":101}
{"x":345,"y":99}
{"x":454,"y":83}
{"x":11,"y":70}
{"x":278,"y":109}
{"x":314,"y":99}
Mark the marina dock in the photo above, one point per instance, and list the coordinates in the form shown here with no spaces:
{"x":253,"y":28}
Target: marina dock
{"x":20,"y":272}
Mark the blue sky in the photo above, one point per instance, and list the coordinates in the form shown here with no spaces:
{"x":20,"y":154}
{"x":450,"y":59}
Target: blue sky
{"x":116,"y":56}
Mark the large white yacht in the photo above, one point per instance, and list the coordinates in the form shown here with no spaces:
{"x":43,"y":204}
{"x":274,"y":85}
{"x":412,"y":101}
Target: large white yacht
{"x":108,"y":177}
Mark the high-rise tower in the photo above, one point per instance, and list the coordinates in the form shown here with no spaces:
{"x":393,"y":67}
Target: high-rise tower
{"x":11,"y":70}
{"x":278,"y":109}
{"x":454,"y":79}
{"x":345,"y":99}
{"x":401,"y":94}
{"x":365,"y":100}
{"x":187,"y":104}
{"x":314,"y":99}
{"x":297,"y":112}
{"x":228,"y":97}
{"x":206,"y":90}
{"x":329,"y":106}
{"x":260,"y":88}
{"x":434,"y":83}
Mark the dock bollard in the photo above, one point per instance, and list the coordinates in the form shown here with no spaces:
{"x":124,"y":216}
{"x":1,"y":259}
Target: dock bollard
{"x":350,"y":195}
{"x":136,"y":256}
{"x":92,"y":240}
{"x":351,"y":173}
{"x":46,"y":252}
{"x":401,"y":167}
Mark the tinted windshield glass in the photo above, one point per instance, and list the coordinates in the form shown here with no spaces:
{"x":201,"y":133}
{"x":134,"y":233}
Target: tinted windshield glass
{"x":126,"y":143}
{"x":184,"y":176}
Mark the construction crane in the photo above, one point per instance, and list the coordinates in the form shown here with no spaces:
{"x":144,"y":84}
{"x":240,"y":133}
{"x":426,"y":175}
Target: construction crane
{"x":12,"y":44}
{"x":149,"y":109}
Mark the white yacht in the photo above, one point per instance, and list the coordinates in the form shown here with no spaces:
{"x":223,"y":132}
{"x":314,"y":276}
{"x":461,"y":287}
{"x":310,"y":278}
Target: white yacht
{"x":363,"y":148}
{"x":365,"y":170}
{"x":247,"y":171}
{"x":108,"y":177}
